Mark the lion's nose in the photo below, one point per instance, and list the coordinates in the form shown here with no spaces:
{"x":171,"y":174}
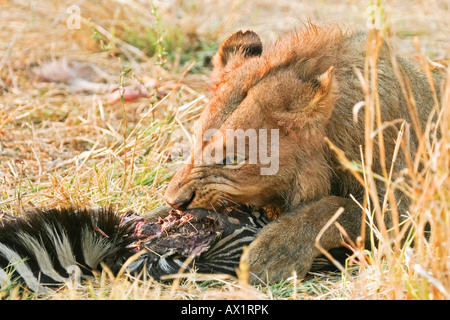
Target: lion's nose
{"x":181,"y":203}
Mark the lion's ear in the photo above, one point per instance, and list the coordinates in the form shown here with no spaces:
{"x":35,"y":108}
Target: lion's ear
{"x":311,"y":107}
{"x":326,"y":79}
{"x":322,"y":94}
{"x":239,"y":45}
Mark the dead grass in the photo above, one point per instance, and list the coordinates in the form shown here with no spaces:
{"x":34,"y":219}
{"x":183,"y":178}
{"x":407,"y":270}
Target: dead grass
{"x":61,"y":144}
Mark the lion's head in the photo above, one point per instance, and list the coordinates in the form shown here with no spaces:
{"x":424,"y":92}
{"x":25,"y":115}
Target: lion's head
{"x":279,"y":100}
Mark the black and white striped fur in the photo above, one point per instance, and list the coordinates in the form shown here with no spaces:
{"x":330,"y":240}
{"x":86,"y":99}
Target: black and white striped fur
{"x":225,"y":253}
{"x":46,"y":248}
{"x":223,"y":256}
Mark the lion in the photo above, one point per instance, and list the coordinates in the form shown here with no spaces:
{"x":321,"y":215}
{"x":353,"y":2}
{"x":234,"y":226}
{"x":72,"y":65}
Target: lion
{"x":303,"y":86}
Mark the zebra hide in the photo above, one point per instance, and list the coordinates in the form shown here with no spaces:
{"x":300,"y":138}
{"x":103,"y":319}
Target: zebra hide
{"x":45,"y":249}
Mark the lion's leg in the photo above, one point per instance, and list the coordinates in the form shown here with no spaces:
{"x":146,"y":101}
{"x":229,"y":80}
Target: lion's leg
{"x":288,"y":243}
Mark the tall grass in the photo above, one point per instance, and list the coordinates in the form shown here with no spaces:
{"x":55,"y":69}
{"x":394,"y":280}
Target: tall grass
{"x":418,"y":267}
{"x":409,"y":257}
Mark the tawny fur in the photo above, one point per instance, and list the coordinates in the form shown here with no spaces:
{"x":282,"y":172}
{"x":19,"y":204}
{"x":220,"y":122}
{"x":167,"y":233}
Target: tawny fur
{"x":305,"y":86}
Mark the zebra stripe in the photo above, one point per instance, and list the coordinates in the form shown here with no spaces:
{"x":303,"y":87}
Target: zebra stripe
{"x":4,"y":279}
{"x":94,"y":249}
{"x":50,"y":248}
{"x":223,"y":256}
{"x":41,"y":255}
{"x":18,"y":263}
{"x":47,"y":248}
{"x":62,"y":245}
{"x":235,"y":242}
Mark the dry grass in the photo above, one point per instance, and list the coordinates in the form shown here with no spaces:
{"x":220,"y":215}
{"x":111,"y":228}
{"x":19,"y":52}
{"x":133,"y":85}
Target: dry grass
{"x":59,"y":146}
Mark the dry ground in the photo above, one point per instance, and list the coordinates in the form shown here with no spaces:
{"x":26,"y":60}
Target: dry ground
{"x":62,"y":141}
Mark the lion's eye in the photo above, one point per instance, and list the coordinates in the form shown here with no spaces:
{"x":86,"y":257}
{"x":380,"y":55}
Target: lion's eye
{"x":233,"y":159}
